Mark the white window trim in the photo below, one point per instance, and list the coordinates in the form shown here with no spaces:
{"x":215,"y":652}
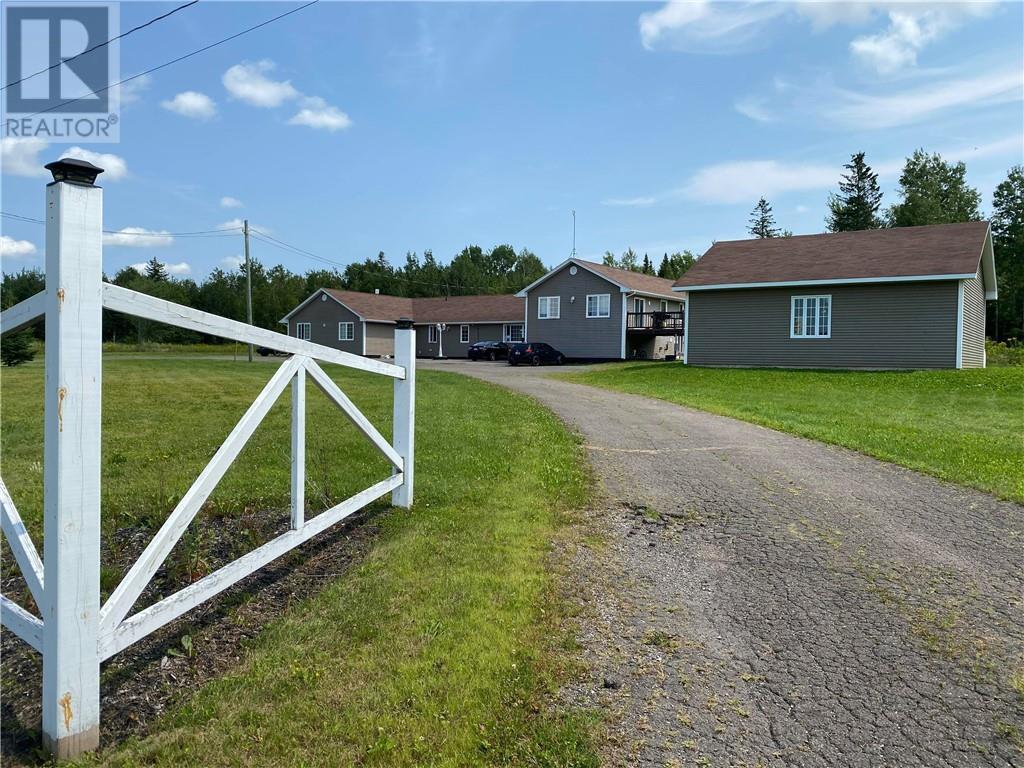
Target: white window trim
{"x":664,"y":305}
{"x":464,"y":334}
{"x":308,"y":328}
{"x":351,"y":329}
{"x":547,"y":305}
{"x":792,"y":306}
{"x":507,"y":337}
{"x":431,"y":334}
{"x":599,"y":296}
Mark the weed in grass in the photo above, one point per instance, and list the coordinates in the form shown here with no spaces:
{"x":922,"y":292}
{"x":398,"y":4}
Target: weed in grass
{"x":662,"y":640}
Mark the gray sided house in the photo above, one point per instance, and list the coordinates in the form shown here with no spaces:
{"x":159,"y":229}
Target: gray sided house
{"x":908,"y":297}
{"x":364,"y":323}
{"x":590,"y":311}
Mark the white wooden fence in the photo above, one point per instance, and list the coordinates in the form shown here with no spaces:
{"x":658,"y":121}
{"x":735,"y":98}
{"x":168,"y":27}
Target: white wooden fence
{"x":74,"y":632}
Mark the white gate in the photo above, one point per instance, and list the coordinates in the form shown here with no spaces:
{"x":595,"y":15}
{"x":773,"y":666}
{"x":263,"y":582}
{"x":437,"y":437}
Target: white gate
{"x":74,"y":632}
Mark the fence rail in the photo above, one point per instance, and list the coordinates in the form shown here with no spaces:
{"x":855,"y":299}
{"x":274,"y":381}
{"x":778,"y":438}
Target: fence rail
{"x":73,"y":632}
{"x":672,"y":322}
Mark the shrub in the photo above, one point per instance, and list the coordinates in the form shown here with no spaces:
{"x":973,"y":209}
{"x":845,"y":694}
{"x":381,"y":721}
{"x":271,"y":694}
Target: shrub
{"x":1009,"y":352}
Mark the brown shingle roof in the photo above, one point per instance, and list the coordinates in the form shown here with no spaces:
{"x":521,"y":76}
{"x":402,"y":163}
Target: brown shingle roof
{"x":634,"y":281}
{"x":374,"y":306}
{"x":452,"y":309}
{"x":939,"y":249}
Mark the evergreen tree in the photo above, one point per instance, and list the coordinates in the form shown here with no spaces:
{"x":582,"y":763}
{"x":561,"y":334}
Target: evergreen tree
{"x":648,"y":268}
{"x":17,"y":348}
{"x":933,"y":192}
{"x":1008,"y":239}
{"x":663,"y":268}
{"x":762,"y":221}
{"x":629,"y":261}
{"x":856,"y":206}
{"x":156,"y":271}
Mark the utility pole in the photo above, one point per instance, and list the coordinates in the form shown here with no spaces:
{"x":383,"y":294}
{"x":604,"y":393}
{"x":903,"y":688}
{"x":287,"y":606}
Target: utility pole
{"x":248,"y":280}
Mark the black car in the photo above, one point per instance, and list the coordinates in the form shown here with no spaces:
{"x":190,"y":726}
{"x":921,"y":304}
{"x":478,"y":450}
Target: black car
{"x":534,"y":353}
{"x":488,"y":350}
{"x":268,"y":352}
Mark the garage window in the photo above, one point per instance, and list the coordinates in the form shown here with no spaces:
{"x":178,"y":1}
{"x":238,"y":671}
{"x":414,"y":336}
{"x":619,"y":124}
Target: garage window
{"x":513,"y":333}
{"x":464,"y":334}
{"x":810,"y":317}
{"x":431,"y":334}
{"x":346,"y":331}
{"x":303,"y":331}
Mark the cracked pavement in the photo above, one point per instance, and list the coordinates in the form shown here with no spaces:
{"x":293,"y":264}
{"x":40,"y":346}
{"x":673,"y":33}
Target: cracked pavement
{"x":758,"y":599}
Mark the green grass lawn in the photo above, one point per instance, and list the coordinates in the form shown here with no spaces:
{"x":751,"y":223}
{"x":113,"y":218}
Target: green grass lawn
{"x":963,"y":426}
{"x":440,"y":648}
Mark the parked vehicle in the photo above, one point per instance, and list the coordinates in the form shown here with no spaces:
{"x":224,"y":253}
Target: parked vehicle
{"x":267,"y":351}
{"x":534,"y":353}
{"x":488,"y":350}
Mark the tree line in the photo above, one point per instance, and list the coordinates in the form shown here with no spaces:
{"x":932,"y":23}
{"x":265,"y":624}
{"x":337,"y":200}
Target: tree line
{"x":277,"y":290}
{"x":931,"y":191}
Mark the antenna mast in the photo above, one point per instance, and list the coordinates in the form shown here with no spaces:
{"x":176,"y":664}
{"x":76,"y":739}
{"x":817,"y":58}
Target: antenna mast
{"x":573,"y":233}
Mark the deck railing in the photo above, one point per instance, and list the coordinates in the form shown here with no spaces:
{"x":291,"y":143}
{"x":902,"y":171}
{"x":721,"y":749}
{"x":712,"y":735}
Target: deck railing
{"x":670,"y":322}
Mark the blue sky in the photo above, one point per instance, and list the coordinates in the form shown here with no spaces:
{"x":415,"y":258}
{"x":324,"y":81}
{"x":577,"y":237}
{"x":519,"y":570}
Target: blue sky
{"x":350,"y":128}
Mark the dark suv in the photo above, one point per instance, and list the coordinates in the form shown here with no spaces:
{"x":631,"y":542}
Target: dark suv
{"x":488,"y":350}
{"x":534,"y":353}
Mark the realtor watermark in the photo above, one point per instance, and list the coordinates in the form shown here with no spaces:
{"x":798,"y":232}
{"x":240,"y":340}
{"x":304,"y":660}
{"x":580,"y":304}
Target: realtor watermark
{"x":59,"y":73}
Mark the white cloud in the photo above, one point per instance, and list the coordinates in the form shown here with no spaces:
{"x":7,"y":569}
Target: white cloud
{"x":175,"y":270}
{"x":704,"y":27}
{"x":138,"y":237}
{"x":910,"y":29}
{"x":114,"y":167}
{"x":238,"y":223}
{"x":230,"y":202}
{"x":754,"y":107}
{"x":14,"y":249}
{"x":801,"y":209}
{"x":130,"y":92}
{"x":247,"y":82}
{"x":630,"y":202}
{"x":748,"y":180}
{"x":864,"y":111}
{"x":191,"y":104}
{"x":232,"y":262}
{"x":317,"y":113}
{"x":20,"y":156}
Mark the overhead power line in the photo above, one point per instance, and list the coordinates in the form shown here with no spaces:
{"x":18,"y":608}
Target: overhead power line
{"x":175,"y":61}
{"x":222,"y":232}
{"x":100,"y":45}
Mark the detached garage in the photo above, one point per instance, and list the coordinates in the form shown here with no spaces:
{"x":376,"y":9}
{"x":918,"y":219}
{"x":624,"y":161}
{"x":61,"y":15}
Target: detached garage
{"x":910,"y":297}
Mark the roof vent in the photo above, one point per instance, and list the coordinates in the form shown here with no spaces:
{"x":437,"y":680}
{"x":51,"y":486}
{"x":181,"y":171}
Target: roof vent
{"x":376,"y":291}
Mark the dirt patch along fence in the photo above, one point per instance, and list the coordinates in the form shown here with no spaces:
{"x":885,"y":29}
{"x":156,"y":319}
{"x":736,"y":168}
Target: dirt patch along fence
{"x":74,"y":632}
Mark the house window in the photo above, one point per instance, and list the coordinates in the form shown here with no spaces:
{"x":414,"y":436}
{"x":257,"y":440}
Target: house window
{"x":303,"y":331}
{"x":664,"y":305}
{"x":639,"y":305}
{"x":599,"y":305}
{"x":810,"y":317}
{"x":346,"y":331}
{"x":464,"y":334}
{"x":513,"y":333}
{"x":549,"y":307}
{"x":431,"y":334}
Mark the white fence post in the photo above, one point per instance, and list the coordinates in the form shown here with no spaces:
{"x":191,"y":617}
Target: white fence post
{"x":299,"y":449}
{"x":71,"y":505}
{"x":405,"y":409}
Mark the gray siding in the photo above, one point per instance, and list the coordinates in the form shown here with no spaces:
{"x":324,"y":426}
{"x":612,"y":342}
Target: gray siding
{"x":450,"y":338}
{"x":974,"y":323}
{"x":323,"y":318}
{"x":573,"y":334}
{"x":380,"y":339}
{"x":885,"y":325}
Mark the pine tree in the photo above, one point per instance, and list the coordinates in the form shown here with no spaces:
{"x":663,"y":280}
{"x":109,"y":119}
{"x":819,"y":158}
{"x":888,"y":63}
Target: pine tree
{"x":663,"y":268}
{"x":648,"y":267}
{"x":762,"y":221}
{"x":155,"y":271}
{"x":856,"y":206}
{"x":17,"y":348}
{"x":1008,"y":239}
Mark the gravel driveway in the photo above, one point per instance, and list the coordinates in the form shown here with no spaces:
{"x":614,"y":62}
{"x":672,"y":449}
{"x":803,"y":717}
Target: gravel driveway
{"x":761,"y":599}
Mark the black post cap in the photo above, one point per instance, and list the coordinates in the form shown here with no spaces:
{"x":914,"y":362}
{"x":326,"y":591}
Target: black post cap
{"x":404,"y":322}
{"x":74,"y":171}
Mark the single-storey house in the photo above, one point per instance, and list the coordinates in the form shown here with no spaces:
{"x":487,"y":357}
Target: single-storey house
{"x":908,"y":297}
{"x":364,"y":323}
{"x":592,"y":311}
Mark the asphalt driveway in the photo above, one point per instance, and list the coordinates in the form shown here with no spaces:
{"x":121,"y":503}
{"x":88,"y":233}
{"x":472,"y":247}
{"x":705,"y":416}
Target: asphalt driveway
{"x":762,"y":599}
